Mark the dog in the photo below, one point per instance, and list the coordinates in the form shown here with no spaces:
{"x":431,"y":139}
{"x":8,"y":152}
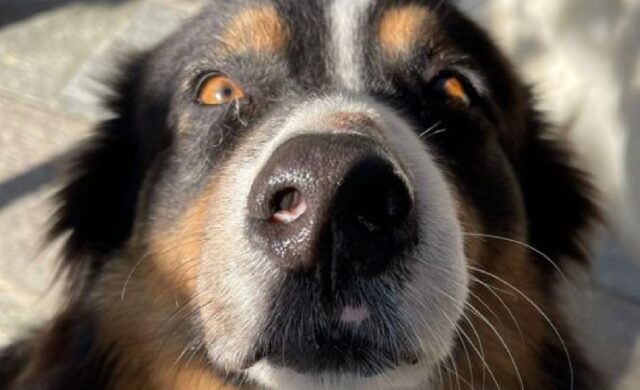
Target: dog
{"x":354,"y":194}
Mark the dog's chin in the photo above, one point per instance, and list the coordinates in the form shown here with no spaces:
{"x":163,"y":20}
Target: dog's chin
{"x":364,"y":361}
{"x":342,"y":363}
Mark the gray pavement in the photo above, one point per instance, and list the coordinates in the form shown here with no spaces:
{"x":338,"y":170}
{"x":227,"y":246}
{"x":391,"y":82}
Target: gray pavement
{"x":53,"y":55}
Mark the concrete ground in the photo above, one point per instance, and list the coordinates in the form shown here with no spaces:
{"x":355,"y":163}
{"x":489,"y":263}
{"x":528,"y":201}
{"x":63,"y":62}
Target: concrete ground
{"x":53,"y":54}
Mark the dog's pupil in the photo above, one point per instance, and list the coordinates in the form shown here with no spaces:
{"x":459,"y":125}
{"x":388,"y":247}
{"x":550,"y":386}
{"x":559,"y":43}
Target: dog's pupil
{"x":224,"y":93}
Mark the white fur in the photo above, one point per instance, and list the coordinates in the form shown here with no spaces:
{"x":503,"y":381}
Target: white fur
{"x":347,"y":18}
{"x":402,"y":378}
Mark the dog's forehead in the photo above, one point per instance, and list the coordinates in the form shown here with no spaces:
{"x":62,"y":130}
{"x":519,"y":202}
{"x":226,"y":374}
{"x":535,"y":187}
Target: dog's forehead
{"x":255,"y":28}
{"x":337,"y":36}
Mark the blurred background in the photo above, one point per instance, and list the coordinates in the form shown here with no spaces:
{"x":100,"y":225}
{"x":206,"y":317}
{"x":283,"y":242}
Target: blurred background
{"x":582,"y":56}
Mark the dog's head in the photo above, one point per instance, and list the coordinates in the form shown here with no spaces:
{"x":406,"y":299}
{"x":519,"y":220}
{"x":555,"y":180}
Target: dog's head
{"x":319,"y":181}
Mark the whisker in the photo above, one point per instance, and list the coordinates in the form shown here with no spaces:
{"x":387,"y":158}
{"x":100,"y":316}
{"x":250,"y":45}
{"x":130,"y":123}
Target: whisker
{"x":486,"y":306}
{"x":416,"y":334}
{"x":458,"y":377}
{"x":195,"y":351}
{"x":479,"y":351}
{"x":434,"y":133}
{"x":504,"y":304}
{"x":502,"y":341}
{"x":468,"y":305}
{"x":527,"y":246}
{"x":492,"y":327}
{"x":466,"y":352}
{"x":150,"y":254}
{"x":430,"y":129}
{"x":541,"y":312}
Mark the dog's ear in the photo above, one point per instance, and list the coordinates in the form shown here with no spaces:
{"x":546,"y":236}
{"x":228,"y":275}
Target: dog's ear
{"x":98,"y":200}
{"x":559,"y":198}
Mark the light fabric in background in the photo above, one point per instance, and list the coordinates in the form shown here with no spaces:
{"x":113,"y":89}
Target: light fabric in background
{"x":583,"y":56}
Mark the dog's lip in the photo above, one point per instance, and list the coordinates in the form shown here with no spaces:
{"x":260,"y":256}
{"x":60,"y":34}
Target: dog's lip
{"x":334,"y":355}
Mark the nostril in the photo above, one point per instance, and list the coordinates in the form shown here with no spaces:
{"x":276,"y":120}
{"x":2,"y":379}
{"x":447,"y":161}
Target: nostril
{"x":384,"y":207}
{"x":375,"y":195}
{"x":287,"y":206}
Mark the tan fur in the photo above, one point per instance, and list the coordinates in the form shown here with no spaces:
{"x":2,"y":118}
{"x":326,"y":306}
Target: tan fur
{"x":257,"y":30}
{"x":401,"y":28}
{"x":176,"y":251}
{"x":145,"y":307}
{"x":350,"y":121}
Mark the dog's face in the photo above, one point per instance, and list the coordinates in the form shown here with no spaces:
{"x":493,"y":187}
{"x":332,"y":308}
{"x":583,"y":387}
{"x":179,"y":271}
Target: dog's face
{"x":310,"y":177}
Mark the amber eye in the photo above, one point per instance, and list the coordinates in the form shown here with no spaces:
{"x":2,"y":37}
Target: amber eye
{"x":454,"y":89}
{"x":216,"y":89}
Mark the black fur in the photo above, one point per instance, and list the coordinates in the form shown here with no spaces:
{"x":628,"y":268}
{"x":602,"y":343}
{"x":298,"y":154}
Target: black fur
{"x":559,"y":199}
{"x":99,"y":201}
{"x":562,"y":376}
{"x":64,"y":357}
{"x":13,"y":360}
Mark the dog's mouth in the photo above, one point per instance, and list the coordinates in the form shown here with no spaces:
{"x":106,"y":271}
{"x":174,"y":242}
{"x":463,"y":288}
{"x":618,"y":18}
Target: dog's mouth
{"x":336,"y":351}
{"x":341,"y":355}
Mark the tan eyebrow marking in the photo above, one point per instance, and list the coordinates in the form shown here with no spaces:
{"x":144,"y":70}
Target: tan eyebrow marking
{"x":401,"y":28}
{"x":258,"y":30}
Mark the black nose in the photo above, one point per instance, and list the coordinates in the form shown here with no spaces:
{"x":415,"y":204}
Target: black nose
{"x":334,"y":206}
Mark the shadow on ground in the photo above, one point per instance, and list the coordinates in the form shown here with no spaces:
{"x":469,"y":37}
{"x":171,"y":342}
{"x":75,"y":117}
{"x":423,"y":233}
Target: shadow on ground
{"x":12,"y":11}
{"x":25,"y":183}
